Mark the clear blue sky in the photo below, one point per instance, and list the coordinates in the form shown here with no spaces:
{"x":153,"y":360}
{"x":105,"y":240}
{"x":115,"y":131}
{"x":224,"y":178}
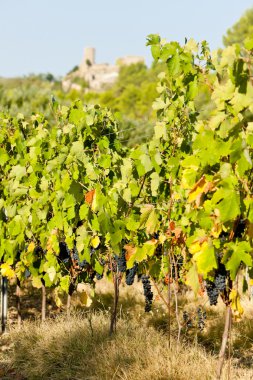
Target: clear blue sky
{"x":38,"y":36}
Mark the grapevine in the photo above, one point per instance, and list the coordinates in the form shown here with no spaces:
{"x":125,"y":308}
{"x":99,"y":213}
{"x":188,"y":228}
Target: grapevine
{"x":71,"y":195}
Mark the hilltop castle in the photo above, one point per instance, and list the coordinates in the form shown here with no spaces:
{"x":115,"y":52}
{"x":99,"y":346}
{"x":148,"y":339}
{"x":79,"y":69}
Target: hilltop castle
{"x":97,"y":76}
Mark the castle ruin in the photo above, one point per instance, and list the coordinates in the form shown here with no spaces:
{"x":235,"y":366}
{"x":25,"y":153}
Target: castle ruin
{"x":97,"y":76}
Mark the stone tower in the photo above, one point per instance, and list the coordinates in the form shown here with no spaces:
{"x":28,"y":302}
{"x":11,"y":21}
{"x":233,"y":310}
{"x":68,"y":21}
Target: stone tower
{"x":88,"y":59}
{"x":89,"y":55}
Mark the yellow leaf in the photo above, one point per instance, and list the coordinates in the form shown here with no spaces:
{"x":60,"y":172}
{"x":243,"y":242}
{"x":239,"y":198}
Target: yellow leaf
{"x":199,"y":245}
{"x":94,"y":201}
{"x":176,"y":196}
{"x":197,"y":189}
{"x":152,"y":222}
{"x":57,"y":297}
{"x":192,"y":279}
{"x":162,"y":238}
{"x":216,"y":230}
{"x":31,"y":247}
{"x":201,"y":187}
{"x":7,"y":271}
{"x":36,"y":282}
{"x":58,"y":301}
{"x":235,"y":302}
{"x":52,"y":243}
{"x":195,"y":247}
{"x":151,"y":242}
{"x":51,"y":273}
{"x":95,"y":242}
{"x":85,"y":299}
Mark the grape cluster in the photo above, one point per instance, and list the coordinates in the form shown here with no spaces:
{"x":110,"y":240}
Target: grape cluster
{"x":130,"y":274}
{"x":220,"y":282}
{"x":201,"y":317}
{"x":76,"y":258}
{"x":217,"y":286}
{"x":220,"y":277}
{"x":195,"y":320}
{"x":121,"y":262}
{"x":212,"y":292}
{"x":147,"y":293}
{"x":65,"y":255}
{"x":38,"y":250}
{"x":75,"y":255}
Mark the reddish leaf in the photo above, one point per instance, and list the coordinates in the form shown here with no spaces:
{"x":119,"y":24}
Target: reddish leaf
{"x":89,"y":196}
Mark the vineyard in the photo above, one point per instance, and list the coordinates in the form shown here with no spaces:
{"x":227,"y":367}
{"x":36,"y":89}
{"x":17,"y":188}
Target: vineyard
{"x":79,"y":207}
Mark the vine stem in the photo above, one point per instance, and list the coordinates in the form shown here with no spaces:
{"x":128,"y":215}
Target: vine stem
{"x":68,"y":305}
{"x":4,"y":303}
{"x":172,"y":258}
{"x":116,"y":281}
{"x":43,"y":303}
{"x":169,"y":285}
{"x":229,"y":348}
{"x":169,"y":254}
{"x":18,"y":302}
{"x":177,"y":314}
{"x":115,"y":304}
{"x":169,"y":308}
{"x":226,"y":338}
{"x":226,"y":334}
{"x":160,"y":295}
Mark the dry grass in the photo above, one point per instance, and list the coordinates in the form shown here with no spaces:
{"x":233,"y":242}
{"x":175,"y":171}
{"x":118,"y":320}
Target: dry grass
{"x":79,"y":349}
{"x":67,"y":349}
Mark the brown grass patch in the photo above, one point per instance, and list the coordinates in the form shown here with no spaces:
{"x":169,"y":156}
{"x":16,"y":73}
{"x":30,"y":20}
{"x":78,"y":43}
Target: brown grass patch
{"x":76,"y":349}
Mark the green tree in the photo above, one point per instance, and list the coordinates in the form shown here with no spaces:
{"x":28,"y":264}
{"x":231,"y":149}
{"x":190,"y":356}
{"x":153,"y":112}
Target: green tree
{"x":240,"y":30}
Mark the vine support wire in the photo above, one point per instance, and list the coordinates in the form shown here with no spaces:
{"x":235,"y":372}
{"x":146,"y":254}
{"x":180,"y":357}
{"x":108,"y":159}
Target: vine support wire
{"x":4,"y":303}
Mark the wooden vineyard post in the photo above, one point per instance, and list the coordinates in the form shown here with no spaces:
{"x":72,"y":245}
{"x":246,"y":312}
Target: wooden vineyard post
{"x":4,"y":303}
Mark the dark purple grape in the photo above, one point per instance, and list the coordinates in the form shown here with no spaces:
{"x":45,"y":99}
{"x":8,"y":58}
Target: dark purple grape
{"x":212,"y":292}
{"x":147,"y":293}
{"x":201,"y":318}
{"x":121,"y":262}
{"x":130,"y":274}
